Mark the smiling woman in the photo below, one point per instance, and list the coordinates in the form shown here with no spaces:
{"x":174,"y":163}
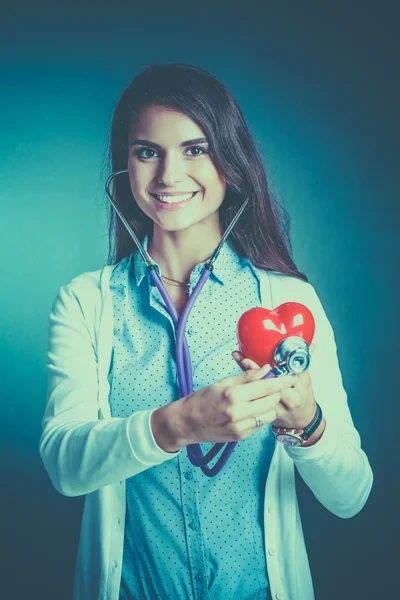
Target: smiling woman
{"x":178,"y":129}
{"x":153,"y":526}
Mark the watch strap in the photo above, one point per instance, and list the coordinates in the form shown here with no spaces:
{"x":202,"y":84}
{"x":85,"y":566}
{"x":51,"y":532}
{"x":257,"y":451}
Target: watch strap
{"x":314,"y":424}
{"x":307,"y":431}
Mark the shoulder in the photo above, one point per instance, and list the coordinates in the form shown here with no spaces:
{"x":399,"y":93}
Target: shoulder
{"x":89,"y":282}
{"x":84,"y":282}
{"x":289,"y":288}
{"x":85,"y":289}
{"x":285,"y":288}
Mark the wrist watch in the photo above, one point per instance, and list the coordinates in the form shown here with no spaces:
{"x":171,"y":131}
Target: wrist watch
{"x":296,"y":437}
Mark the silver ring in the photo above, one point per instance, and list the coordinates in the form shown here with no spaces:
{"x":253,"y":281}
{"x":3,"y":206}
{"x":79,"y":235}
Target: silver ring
{"x":258,"y":421}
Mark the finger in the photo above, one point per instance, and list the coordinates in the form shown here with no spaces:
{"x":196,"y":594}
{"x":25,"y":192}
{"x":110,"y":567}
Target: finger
{"x":244,"y":377}
{"x":264,"y":410}
{"x":240,"y":361}
{"x":244,"y":363}
{"x":261,"y":406}
{"x":260,"y":388}
{"x":250,"y":423}
{"x":247,"y":363}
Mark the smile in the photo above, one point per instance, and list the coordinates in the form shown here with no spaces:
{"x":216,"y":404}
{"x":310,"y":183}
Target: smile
{"x":173,"y":202}
{"x":177,"y":199}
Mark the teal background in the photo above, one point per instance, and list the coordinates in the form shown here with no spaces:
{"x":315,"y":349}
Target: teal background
{"x":318,"y":84}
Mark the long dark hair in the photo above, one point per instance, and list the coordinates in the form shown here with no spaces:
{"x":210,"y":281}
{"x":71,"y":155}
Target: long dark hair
{"x":262,"y":231}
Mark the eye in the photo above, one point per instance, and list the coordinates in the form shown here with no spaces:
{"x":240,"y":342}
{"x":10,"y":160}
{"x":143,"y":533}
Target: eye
{"x":140,"y":155}
{"x":139,"y":152}
{"x":203,"y":150}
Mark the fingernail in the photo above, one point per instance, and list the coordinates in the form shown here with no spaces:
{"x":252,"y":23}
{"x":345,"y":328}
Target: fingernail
{"x":235,"y":355}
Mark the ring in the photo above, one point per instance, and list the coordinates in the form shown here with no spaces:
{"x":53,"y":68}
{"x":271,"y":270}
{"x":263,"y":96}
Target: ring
{"x":258,"y":421}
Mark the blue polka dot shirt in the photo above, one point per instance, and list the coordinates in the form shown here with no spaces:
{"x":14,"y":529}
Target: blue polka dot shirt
{"x":188,"y":535}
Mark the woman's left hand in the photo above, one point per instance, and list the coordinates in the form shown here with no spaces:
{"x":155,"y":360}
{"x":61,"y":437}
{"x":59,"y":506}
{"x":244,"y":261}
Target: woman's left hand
{"x":297,"y":405}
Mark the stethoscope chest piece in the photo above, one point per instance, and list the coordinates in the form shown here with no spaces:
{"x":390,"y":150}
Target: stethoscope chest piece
{"x":292,"y":355}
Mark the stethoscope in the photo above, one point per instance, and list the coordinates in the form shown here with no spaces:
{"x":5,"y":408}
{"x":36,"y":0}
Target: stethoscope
{"x":285,"y":362}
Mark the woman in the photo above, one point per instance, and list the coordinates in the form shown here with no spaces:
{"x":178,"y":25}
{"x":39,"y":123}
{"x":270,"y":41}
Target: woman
{"x":116,"y":427}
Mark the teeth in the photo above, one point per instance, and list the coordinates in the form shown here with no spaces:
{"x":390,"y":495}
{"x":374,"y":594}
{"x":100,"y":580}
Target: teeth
{"x":174,"y":199}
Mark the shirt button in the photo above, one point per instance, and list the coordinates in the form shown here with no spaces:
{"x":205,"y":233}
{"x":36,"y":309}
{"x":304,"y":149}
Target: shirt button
{"x":193,"y":525}
{"x":279,"y":596}
{"x":190,"y":331}
{"x":270,"y":509}
{"x":119,"y":521}
{"x":115,"y":564}
{"x":271,"y":551}
{"x":199,"y":577}
{"x":189,"y":475}
{"x":121,"y":482}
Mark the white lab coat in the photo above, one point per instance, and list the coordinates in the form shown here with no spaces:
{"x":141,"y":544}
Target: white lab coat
{"x":87,"y":452}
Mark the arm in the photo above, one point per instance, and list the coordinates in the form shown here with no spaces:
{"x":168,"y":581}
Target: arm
{"x":166,"y":422}
{"x":333,"y":466}
{"x":81,"y":452}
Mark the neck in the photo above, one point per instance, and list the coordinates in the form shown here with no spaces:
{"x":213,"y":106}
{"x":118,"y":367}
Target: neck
{"x":178,"y":252}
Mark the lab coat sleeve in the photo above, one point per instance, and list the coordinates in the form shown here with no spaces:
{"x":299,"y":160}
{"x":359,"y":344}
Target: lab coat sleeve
{"x":81,"y":452}
{"x":335,"y":468}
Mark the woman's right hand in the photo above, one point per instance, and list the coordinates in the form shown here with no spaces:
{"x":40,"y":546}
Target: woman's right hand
{"x":225,"y":410}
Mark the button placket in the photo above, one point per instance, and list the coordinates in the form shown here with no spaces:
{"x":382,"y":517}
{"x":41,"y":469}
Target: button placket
{"x":193,"y":528}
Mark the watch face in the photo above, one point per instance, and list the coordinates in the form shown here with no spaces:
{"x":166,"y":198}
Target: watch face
{"x":288,"y":440}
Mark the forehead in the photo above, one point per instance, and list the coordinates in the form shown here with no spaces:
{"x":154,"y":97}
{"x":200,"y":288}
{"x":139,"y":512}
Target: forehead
{"x":161,"y":121}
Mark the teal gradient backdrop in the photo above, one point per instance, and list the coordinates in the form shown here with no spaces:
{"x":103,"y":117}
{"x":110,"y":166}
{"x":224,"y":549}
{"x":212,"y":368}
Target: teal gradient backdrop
{"x":316,"y":83}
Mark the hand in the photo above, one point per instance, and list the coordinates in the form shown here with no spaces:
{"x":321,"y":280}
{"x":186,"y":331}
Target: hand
{"x":297,"y":405}
{"x":225,"y":410}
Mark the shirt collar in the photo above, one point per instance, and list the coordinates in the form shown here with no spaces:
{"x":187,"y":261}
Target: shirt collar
{"x":225,"y":267}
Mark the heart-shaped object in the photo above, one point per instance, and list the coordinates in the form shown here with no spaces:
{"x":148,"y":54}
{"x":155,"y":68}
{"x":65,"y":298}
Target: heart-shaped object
{"x":259,"y":330}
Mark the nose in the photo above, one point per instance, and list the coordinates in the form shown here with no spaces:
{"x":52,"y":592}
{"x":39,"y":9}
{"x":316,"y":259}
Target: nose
{"x":170,"y":171}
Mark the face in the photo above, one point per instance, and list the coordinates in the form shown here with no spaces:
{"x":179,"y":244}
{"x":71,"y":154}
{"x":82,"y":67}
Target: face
{"x":163,"y":162}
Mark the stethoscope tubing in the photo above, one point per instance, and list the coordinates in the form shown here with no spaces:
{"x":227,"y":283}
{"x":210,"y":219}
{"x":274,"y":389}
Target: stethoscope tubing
{"x":183,"y":361}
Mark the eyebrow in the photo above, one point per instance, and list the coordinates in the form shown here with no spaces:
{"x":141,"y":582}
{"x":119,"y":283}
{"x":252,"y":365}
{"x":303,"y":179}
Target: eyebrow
{"x":201,"y":140}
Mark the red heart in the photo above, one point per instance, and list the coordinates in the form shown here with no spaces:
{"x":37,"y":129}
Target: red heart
{"x":260,"y":330}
